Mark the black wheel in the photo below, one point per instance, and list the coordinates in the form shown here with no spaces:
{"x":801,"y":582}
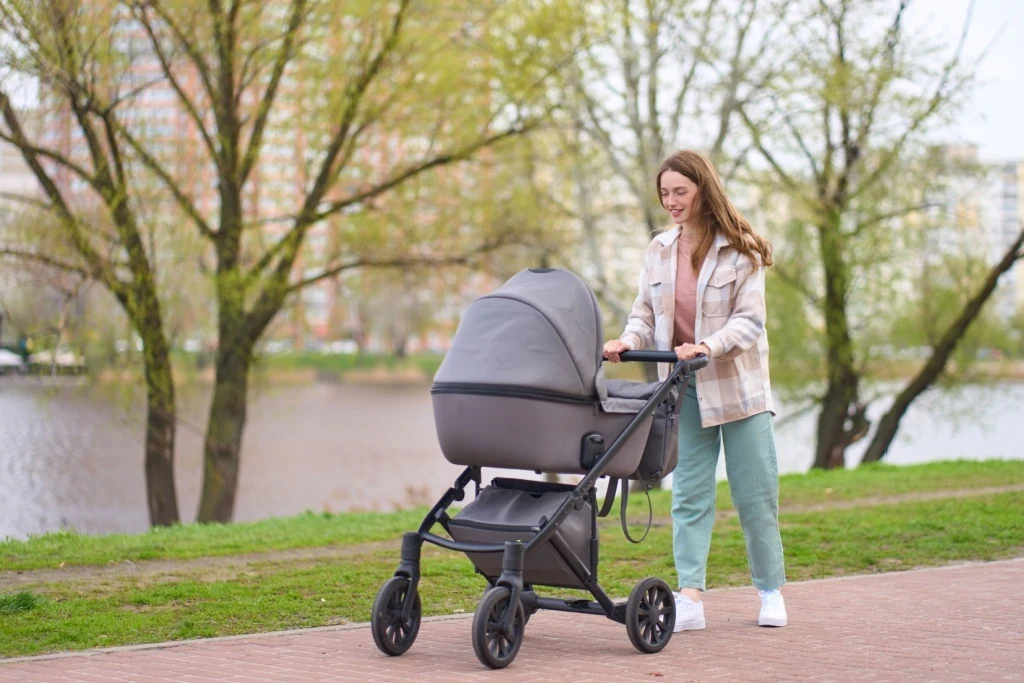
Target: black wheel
{"x":650,"y":615}
{"x":495,"y":646}
{"x":526,"y":587}
{"x":391,"y":633}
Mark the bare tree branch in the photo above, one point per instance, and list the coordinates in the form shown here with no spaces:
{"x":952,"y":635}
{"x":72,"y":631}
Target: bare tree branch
{"x":150,"y":162}
{"x":440,"y":160}
{"x":788,"y":180}
{"x":797,"y":284}
{"x":22,"y":199}
{"x":165,"y":66}
{"x":284,"y":56}
{"x":37,"y":257}
{"x":939,"y":95}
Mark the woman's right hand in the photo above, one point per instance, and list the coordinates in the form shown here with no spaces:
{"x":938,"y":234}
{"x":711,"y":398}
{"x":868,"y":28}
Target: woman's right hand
{"x":613,"y":348}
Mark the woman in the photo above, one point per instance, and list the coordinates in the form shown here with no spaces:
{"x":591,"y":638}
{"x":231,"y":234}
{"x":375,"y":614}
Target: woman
{"x":702,"y":292}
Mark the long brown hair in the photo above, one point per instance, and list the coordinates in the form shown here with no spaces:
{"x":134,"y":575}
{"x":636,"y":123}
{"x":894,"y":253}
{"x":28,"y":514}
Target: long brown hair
{"x":715,"y":212}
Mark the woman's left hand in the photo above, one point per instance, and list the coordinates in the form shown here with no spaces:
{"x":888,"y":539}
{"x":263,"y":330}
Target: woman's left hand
{"x":688,"y":351}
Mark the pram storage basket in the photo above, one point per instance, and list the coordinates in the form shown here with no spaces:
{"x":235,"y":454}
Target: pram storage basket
{"x":515,"y":510}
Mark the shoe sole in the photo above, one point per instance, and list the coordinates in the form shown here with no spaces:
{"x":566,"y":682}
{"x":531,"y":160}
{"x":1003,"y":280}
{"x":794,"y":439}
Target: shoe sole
{"x":695,"y":625}
{"x":771,"y":621}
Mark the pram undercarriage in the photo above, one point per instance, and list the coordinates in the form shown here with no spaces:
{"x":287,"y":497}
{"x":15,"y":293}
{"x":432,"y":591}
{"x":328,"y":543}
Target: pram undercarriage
{"x":545,"y":535}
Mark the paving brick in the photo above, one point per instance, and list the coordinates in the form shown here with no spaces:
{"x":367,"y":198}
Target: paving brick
{"x":876,"y":628}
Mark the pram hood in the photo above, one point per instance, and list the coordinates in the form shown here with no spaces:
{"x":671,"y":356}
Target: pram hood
{"x":541,"y":330}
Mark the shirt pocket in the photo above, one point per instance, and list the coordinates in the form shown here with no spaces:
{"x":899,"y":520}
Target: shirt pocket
{"x":718,"y":294}
{"x":656,"y":285}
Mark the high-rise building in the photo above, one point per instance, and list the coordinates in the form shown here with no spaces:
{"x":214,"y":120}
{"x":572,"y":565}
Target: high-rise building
{"x":980,"y":215}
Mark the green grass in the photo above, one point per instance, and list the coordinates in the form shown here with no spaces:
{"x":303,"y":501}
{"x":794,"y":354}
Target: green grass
{"x":820,"y":487}
{"x":282,"y":595}
{"x":318,"y":530}
{"x":19,"y":602}
{"x":69,"y":548}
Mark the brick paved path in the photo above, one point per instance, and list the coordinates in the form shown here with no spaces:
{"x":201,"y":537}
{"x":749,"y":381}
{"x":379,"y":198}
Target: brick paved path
{"x":885,"y":627}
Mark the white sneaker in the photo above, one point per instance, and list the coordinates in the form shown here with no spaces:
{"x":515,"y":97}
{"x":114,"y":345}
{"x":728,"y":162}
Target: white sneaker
{"x":689,"y":614}
{"x":773,"y":609}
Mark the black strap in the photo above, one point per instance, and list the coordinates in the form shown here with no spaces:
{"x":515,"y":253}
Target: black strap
{"x":622,"y":511}
{"x":609,"y":498}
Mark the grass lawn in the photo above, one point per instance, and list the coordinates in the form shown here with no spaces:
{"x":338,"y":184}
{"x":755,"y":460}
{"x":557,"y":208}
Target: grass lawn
{"x":106,"y":608}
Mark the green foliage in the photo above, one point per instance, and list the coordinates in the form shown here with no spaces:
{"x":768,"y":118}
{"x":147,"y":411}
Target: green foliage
{"x":795,"y":340}
{"x":939,"y":297}
{"x":19,"y":602}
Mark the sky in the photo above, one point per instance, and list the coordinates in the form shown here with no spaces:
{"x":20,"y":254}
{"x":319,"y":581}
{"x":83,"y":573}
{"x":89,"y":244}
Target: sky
{"x":994,"y":117}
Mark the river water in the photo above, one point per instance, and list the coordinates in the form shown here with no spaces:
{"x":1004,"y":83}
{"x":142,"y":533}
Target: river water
{"x":71,"y":456}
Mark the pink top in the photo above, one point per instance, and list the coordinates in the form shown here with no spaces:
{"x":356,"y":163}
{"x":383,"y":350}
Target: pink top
{"x":686,"y":292}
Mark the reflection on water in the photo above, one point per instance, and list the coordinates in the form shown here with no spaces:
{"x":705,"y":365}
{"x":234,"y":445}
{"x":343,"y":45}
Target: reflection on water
{"x":72,"y":457}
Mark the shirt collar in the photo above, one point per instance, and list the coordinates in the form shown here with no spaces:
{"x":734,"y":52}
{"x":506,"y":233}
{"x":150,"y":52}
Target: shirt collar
{"x":669,"y":236}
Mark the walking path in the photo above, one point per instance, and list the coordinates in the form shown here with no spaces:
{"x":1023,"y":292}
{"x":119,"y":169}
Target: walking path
{"x":958,"y":623}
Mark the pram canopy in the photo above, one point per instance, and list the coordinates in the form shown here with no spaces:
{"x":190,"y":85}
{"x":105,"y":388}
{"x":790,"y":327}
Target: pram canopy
{"x":541,"y":329}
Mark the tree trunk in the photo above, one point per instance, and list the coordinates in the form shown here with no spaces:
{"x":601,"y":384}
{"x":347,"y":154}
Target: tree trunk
{"x":160,"y":429}
{"x":223,"y":443}
{"x":399,"y":344}
{"x":837,"y":427}
{"x":841,"y":420}
{"x":890,"y":422}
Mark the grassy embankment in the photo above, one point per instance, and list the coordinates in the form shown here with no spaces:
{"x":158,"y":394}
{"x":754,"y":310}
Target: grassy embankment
{"x":190,"y":581}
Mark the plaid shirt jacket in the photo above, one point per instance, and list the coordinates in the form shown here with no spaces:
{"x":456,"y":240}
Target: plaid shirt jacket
{"x":730,"y":321}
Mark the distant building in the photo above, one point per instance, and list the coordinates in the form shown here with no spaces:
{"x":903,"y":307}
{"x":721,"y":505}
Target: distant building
{"x":16,"y":178}
{"x":979,"y":214}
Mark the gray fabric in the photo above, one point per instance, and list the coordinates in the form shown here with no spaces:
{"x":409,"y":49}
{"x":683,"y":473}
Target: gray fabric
{"x":540,"y":330}
{"x":620,"y":388}
{"x":488,"y":520}
{"x":627,"y":397}
{"x":661,"y":452}
{"x":527,"y":434}
{"x":622,"y":405}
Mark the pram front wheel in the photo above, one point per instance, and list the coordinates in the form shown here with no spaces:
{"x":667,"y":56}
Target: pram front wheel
{"x":393,"y":634}
{"x":650,"y":615}
{"x":495,"y":645}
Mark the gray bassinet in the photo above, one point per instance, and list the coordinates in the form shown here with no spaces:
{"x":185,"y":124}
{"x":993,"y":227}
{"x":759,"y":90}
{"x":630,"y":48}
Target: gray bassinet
{"x":523,"y":386}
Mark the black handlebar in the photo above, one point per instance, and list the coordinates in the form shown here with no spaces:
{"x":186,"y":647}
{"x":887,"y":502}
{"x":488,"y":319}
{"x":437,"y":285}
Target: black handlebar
{"x":695,"y":363}
{"x":648,"y":356}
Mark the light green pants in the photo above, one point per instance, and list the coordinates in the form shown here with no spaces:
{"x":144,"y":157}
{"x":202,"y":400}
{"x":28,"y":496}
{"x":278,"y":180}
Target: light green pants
{"x":753,"y":475}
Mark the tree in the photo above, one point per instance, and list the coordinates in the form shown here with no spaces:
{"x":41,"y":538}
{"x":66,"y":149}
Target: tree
{"x":889,"y":423}
{"x":655,"y":76}
{"x":848,"y":146}
{"x":383,"y":97}
{"x":64,"y":46}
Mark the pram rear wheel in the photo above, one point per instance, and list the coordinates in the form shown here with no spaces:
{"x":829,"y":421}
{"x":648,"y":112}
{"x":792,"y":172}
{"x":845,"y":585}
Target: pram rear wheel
{"x":392,"y":634}
{"x":650,"y":615}
{"x":494,"y":645}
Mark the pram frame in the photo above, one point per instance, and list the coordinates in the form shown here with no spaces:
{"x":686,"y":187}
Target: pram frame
{"x":515,"y":552}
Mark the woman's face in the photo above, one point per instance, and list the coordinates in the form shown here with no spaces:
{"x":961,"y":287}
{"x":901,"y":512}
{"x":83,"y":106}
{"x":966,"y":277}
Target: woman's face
{"x":678,"y":196}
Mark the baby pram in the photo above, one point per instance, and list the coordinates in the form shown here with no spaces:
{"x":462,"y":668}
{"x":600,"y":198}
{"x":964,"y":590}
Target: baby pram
{"x":523,"y":387}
